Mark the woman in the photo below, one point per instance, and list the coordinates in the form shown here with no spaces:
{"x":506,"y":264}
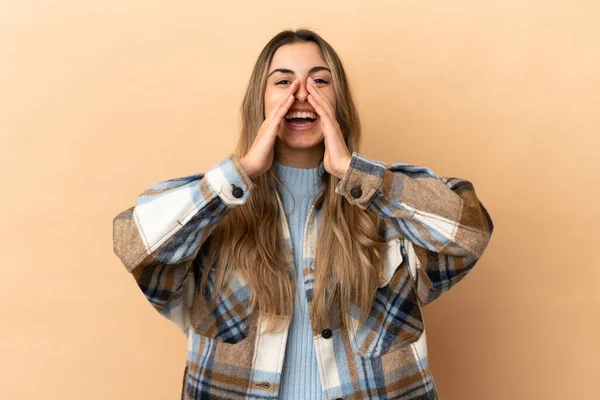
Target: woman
{"x":297,"y":267}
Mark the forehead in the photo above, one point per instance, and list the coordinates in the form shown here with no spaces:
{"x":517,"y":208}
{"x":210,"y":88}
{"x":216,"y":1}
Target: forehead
{"x":299,"y":57}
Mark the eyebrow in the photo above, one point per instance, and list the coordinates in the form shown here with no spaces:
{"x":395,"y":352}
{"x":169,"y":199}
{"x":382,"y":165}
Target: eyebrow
{"x":289,"y":71}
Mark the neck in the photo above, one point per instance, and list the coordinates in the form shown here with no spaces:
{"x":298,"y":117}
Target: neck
{"x":301,"y":182}
{"x":301,"y":158}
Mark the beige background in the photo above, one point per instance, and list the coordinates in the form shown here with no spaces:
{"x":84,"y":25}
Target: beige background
{"x":99,"y":100}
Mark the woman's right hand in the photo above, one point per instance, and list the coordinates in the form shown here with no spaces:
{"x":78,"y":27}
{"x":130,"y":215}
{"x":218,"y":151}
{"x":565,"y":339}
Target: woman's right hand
{"x":259,"y":158}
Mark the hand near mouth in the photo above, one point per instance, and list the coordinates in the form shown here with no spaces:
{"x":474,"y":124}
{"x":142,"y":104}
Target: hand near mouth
{"x":337,"y":156}
{"x":260,"y":156}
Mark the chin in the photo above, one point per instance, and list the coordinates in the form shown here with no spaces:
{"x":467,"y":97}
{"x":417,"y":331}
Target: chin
{"x":301,"y":140}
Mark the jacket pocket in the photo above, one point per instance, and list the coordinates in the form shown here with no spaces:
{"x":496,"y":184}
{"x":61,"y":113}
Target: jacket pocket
{"x":228,"y":319}
{"x":395,"y":319}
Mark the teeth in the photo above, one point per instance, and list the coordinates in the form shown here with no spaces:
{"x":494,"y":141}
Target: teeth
{"x":297,"y":114}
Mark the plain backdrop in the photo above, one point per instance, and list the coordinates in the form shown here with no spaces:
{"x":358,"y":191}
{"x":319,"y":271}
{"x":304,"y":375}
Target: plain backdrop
{"x":99,"y":100}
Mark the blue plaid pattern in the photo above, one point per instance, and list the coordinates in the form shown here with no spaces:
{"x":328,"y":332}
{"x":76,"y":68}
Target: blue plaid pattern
{"x":436,"y":231}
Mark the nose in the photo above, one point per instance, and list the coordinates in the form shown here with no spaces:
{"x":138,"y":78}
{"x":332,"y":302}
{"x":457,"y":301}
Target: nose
{"x":301,"y":93}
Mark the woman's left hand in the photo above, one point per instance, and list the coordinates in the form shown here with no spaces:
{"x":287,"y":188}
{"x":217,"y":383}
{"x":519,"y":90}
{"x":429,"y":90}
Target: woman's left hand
{"x":337,"y":156}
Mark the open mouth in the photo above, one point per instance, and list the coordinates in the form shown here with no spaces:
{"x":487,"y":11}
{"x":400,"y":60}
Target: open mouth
{"x":301,"y":121}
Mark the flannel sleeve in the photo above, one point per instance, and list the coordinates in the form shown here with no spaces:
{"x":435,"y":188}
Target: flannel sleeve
{"x":158,"y":238}
{"x":445,"y":224}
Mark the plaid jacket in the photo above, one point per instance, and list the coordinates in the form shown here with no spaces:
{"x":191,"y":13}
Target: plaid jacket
{"x":436,"y":231}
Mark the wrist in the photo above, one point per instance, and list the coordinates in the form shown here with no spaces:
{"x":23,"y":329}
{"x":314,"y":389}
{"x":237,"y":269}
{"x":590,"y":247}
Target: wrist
{"x":345,"y":166}
{"x":247,"y":169}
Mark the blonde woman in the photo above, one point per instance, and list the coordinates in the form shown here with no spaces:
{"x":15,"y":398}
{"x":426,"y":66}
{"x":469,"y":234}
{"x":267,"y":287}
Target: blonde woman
{"x":297,"y":266}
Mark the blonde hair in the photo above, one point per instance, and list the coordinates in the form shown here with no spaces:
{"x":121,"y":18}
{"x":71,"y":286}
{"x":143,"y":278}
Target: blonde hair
{"x":348,"y":261}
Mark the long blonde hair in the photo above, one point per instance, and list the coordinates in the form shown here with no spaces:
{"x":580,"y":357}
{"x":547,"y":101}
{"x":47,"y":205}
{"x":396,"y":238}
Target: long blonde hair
{"x":348,"y":261}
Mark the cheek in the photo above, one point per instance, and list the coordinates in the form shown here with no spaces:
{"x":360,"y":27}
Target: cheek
{"x":331,"y":98}
{"x":270,"y":101}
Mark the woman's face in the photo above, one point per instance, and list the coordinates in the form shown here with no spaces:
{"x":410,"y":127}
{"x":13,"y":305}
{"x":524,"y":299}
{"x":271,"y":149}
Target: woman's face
{"x":291,"y":61}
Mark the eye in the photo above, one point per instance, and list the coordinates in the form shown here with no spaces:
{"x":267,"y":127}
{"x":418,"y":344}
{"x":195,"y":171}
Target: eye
{"x":283,"y":80}
{"x":319,"y":79}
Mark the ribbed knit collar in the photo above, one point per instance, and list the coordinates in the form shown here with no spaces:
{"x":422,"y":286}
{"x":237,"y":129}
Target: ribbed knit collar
{"x":302,"y":182}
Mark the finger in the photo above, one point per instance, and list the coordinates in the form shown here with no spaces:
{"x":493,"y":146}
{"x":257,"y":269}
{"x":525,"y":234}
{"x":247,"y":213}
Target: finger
{"x":283,"y":109}
{"x":279,"y":114}
{"x":283,"y":100}
{"x":294,"y":86}
{"x":320,"y":98}
{"x":325,"y":117}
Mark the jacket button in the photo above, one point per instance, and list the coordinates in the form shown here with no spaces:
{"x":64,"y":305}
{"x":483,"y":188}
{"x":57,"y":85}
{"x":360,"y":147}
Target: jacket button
{"x":237,"y":192}
{"x":356,"y":192}
{"x":326,"y":333}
